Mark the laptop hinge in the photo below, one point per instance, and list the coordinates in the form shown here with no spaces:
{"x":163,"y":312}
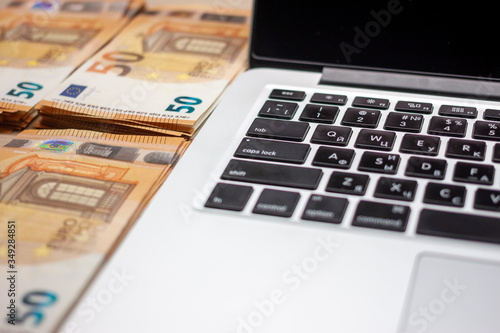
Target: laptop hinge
{"x":476,"y":89}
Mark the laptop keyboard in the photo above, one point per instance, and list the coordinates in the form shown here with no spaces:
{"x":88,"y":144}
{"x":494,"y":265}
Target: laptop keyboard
{"x":387,"y":163}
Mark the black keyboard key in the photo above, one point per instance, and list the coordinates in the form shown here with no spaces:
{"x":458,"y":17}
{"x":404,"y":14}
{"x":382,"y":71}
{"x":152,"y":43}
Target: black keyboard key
{"x":445,"y":194}
{"x":447,"y":126}
{"x":466,"y":149}
{"x":323,"y":208}
{"x":404,"y":122}
{"x":329,"y":99}
{"x":496,"y":153}
{"x":425,"y":108}
{"x":420,"y":144}
{"x":369,"y":102}
{"x":333,"y":157}
{"x":460,"y":226}
{"x":373,"y":139}
{"x":474,"y":173}
{"x":290,"y":95}
{"x":426,"y":168}
{"x":229,"y":197}
{"x":278,"y":151}
{"x":361,"y":118}
{"x":487,"y":200}
{"x":381,"y":216}
{"x":458,"y":111}
{"x":348,"y":183}
{"x":319,"y":113}
{"x":331,"y":135}
{"x":486,"y":130}
{"x":491,"y":114}
{"x":276,"y":203}
{"x":396,"y":189}
{"x":272,"y":174}
{"x":275,"y":109}
{"x":278,"y":129}
{"x":379,"y":162}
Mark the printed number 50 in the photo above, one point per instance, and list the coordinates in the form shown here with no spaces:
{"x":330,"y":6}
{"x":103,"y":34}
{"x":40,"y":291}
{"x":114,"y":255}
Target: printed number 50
{"x":37,"y":300}
{"x":185,"y":102}
{"x":27,"y":88}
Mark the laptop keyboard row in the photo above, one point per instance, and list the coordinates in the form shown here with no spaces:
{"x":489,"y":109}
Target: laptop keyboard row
{"x":275,"y":150}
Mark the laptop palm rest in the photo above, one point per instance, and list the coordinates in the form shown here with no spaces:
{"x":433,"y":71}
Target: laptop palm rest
{"x":450,"y":294}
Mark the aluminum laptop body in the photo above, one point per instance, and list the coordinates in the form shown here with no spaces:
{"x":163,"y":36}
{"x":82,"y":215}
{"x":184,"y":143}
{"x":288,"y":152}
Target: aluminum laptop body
{"x":377,"y":210}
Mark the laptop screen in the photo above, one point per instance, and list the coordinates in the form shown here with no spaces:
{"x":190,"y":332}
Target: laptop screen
{"x":416,"y":36}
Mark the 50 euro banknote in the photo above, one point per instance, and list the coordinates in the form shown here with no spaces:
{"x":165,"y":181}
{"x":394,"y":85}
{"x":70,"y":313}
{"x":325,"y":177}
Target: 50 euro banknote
{"x":41,"y":43}
{"x":163,"y":73}
{"x":66,"y":199}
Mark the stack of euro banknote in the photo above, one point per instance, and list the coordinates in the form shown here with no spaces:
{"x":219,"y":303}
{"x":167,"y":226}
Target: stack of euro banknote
{"x":160,"y":72}
{"x":102,"y":98}
{"x":66,"y":197}
{"x":43,"y":42}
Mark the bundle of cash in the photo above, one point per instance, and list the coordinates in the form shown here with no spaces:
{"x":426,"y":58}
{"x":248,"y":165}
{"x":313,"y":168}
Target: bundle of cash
{"x":43,"y":41}
{"x":66,"y":199}
{"x":162,"y":75}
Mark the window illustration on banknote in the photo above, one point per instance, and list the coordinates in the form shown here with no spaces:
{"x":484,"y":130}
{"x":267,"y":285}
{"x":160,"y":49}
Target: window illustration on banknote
{"x":163,"y":41}
{"x":64,"y":36}
{"x":69,"y":187}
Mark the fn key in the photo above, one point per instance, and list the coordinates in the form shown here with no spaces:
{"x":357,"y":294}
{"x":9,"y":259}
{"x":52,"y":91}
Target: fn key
{"x":229,"y":197}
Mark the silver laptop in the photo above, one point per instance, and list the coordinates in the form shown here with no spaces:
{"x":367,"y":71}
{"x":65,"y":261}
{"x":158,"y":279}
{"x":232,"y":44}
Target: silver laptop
{"x":347,"y":182}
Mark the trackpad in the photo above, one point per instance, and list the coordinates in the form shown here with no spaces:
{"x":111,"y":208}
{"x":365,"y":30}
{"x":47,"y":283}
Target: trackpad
{"x":453,"y":295}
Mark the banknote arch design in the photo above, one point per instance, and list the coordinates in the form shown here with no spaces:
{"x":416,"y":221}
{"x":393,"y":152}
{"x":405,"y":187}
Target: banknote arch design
{"x":87,"y":190}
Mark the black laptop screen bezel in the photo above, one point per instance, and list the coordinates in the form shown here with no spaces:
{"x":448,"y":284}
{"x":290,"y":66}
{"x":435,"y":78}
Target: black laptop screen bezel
{"x":262,"y":57}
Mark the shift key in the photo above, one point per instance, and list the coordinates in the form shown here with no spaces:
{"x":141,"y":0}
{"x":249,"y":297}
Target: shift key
{"x":278,"y":129}
{"x":273,"y":174}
